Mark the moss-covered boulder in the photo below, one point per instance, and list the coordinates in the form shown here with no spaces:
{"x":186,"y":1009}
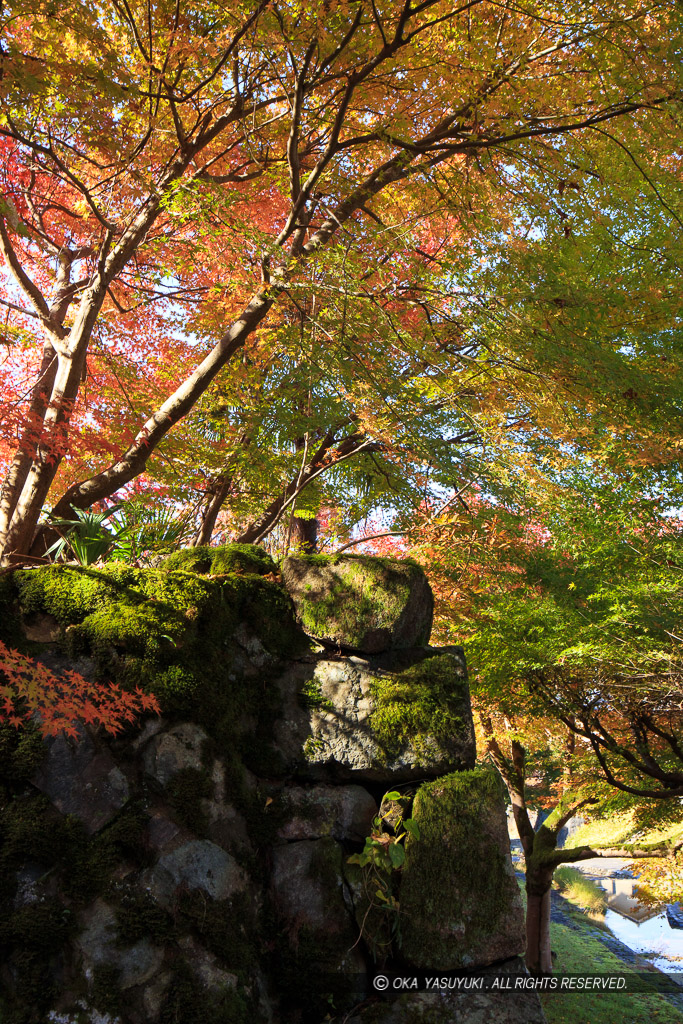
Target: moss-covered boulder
{"x":204,"y":646}
{"x":359,"y":602}
{"x":382,"y":719}
{"x":243,"y":559}
{"x":460,"y":902}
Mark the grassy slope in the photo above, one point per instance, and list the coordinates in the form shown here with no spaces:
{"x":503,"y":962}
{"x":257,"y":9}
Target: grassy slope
{"x":579,"y":952}
{"x":618,"y":829}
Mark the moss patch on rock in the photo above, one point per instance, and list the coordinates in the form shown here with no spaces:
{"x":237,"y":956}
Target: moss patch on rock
{"x":243,"y":559}
{"x":177,"y":634}
{"x":460,"y":903}
{"x":359,"y":601}
{"x":426,"y":707}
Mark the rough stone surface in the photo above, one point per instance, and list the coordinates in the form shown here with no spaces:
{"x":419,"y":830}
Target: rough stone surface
{"x":162,"y":833}
{"x":173,"y":751}
{"x":226,"y":826}
{"x":307,"y":884}
{"x":460,"y":1007}
{"x":40,"y":628}
{"x":206,"y":966}
{"x":97,"y":945}
{"x":81,"y":778}
{"x":300,"y":898}
{"x":334,"y":735}
{"x":460,"y":902}
{"x":199,"y":864}
{"x":361,"y":603}
{"x":258,"y":915}
{"x":343,"y":812}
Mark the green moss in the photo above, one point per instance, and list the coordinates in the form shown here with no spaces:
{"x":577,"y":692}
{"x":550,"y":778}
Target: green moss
{"x":185,"y":792}
{"x":228,"y":929}
{"x":187,"y":1001}
{"x":30,"y":940}
{"x":190,"y":559}
{"x":30,"y":828}
{"x":244,"y":559}
{"x":456,"y":889}
{"x":10,"y":627}
{"x":21,"y":752}
{"x":311,"y":695}
{"x":105,"y":994}
{"x":359,"y":594}
{"x":175,"y":634}
{"x":139,"y":916}
{"x":425,"y":705}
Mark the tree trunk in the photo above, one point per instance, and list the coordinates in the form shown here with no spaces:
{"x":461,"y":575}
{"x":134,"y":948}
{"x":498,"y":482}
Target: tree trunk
{"x":305,"y":535}
{"x":214,"y":504}
{"x":48,"y":456}
{"x":538,"y":954}
{"x":133,"y":461}
{"x":26,"y":450}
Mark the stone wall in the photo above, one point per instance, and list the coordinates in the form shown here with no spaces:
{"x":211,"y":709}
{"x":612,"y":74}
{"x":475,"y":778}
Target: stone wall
{"x":195,"y":868}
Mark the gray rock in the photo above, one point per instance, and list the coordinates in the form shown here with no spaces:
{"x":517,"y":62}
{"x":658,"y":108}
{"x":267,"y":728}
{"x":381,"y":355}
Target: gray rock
{"x":81,"y":778}
{"x":198,"y":864}
{"x":361,"y":603}
{"x":460,"y":901}
{"x":153,"y":994}
{"x":472,"y":1006}
{"x":206,"y":966}
{"x":308,"y":895}
{"x":28,"y":879}
{"x":162,"y":833}
{"x":301,"y":898}
{"x":97,"y":946}
{"x":226,"y":826}
{"x":152,"y":727}
{"x":377,"y":719}
{"x":343,"y":812}
{"x":171,"y":752}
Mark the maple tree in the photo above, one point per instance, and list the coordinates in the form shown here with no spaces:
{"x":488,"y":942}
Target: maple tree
{"x":58,"y":703}
{"x":147,"y":146}
{"x":569,"y":612}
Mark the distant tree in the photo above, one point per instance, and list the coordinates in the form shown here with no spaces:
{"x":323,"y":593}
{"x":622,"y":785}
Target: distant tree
{"x":570,"y":618}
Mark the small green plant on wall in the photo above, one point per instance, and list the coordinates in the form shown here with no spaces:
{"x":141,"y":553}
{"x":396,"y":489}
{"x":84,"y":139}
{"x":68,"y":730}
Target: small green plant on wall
{"x":378,"y":909}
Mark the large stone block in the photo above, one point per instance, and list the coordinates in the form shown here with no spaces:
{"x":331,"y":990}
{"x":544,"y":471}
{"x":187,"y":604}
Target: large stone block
{"x":80,"y":777}
{"x":198,"y":864}
{"x":393,"y":718}
{"x":319,"y":941}
{"x":343,"y":812}
{"x":172,"y":752}
{"x":99,"y":946}
{"x":460,"y":902}
{"x":361,"y":603}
